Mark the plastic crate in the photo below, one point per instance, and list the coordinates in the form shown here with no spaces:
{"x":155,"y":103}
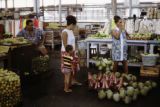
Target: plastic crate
{"x":150,"y":71}
{"x":149,"y":60}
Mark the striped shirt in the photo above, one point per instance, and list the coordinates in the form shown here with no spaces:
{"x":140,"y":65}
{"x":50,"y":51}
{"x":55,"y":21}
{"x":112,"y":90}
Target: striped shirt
{"x":67,"y":61}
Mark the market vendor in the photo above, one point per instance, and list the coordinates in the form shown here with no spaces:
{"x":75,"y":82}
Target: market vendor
{"x":119,"y":44}
{"x":34,"y":35}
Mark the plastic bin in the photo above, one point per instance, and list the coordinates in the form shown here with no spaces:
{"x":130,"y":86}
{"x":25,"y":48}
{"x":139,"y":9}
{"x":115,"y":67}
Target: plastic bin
{"x":149,"y":60}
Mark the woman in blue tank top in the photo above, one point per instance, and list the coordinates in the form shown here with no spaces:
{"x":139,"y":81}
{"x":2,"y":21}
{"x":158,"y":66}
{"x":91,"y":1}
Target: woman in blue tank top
{"x":119,"y":44}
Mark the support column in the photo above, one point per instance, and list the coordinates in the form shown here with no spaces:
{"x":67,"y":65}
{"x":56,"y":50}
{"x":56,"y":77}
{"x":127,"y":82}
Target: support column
{"x":36,"y":6}
{"x":130,"y":8}
{"x":6,"y":5}
{"x":60,"y":16}
{"x":114,"y":7}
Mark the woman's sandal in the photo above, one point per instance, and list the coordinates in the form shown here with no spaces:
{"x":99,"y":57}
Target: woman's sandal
{"x":68,"y":91}
{"x":76,"y":83}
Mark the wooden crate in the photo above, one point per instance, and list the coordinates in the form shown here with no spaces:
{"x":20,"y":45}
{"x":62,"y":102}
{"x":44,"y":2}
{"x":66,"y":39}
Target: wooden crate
{"x":150,"y":71}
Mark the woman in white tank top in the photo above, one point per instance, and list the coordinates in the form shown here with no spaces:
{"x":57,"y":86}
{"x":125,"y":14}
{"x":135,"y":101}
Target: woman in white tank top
{"x":68,"y":38}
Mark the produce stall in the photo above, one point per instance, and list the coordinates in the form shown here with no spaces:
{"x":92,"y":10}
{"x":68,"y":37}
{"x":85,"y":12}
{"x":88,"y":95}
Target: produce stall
{"x":144,"y":43}
{"x":24,"y":59}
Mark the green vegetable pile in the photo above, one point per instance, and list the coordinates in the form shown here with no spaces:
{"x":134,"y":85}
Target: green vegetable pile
{"x":10,"y":89}
{"x":40,"y":64}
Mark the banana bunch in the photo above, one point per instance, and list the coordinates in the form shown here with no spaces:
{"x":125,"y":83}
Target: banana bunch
{"x":10,"y":89}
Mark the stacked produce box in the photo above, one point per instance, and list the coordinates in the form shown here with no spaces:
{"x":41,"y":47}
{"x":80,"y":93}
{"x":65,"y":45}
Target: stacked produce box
{"x":153,"y":13}
{"x":10,"y":89}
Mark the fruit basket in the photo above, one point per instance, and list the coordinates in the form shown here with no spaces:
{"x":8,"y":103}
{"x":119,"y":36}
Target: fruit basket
{"x":149,"y":59}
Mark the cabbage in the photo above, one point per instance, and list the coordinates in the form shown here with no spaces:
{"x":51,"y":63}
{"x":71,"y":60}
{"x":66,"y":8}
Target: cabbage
{"x":111,"y":67}
{"x":149,"y":87}
{"x":98,"y":63}
{"x":107,"y":72}
{"x":148,"y":83}
{"x":154,"y":84}
{"x":101,"y":94}
{"x":94,"y":76}
{"x":130,"y":83}
{"x":123,"y":75}
{"x":130,"y":91}
{"x":135,"y":96}
{"x":116,"y":97}
{"x":127,"y":99}
{"x":144,"y":90}
{"x":140,"y":85}
{"x":134,"y":78}
{"x":136,"y":91}
{"x":117,"y":74}
{"x":134,"y":84}
{"x":109,"y":94}
{"x":103,"y":64}
{"x":110,"y":62}
{"x":107,"y":68}
{"x":100,"y":68}
{"x":125,"y":83}
{"x":127,"y":77}
{"x":107,"y":62}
